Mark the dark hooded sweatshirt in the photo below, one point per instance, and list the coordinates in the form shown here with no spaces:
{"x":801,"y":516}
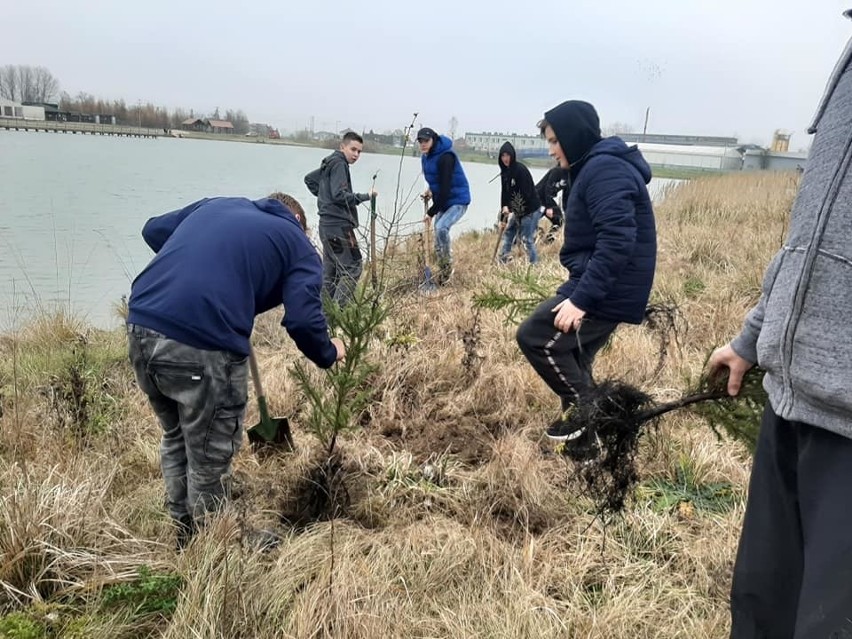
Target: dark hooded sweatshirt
{"x":610,"y":245}
{"x":332,"y":186}
{"x":555,"y":180}
{"x":518,"y":192}
{"x":222,"y":261}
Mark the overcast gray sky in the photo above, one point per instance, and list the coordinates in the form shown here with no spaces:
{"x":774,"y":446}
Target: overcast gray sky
{"x":717,"y":67}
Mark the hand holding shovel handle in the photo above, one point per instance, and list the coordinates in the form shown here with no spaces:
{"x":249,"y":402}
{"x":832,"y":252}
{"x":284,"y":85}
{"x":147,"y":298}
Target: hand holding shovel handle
{"x":501,"y":229}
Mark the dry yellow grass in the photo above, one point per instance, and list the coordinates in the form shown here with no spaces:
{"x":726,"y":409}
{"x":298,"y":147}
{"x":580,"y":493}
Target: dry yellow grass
{"x":459,"y":520}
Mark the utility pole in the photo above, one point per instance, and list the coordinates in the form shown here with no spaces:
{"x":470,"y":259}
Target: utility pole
{"x":645,"y":128}
{"x":139,"y":111}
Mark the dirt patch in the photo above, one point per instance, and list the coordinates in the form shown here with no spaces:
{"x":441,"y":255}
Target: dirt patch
{"x":467,"y":439}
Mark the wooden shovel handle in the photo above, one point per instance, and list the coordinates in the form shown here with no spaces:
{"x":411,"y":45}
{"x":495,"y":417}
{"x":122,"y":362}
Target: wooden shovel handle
{"x":255,"y":374}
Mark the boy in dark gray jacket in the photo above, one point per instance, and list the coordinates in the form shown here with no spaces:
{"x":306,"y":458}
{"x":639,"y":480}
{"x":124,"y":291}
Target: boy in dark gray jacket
{"x":793,"y":573}
{"x":338,"y":213}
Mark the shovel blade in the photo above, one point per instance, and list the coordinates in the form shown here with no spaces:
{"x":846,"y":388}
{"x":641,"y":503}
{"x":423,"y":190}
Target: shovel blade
{"x":428,"y":283}
{"x":271,"y":432}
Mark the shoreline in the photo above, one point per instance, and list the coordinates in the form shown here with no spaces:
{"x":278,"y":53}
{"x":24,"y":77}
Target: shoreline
{"x":667,"y":172}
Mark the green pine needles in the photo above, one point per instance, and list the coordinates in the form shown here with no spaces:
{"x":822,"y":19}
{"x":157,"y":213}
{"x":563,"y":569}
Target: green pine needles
{"x":335,"y":404}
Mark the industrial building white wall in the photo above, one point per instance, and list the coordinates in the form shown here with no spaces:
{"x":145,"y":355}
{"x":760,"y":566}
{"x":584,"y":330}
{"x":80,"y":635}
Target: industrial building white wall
{"x":33,"y":113}
{"x":710,"y":158}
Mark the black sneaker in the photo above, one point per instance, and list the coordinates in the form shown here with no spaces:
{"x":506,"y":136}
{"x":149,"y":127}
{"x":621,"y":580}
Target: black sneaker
{"x":565,"y":429}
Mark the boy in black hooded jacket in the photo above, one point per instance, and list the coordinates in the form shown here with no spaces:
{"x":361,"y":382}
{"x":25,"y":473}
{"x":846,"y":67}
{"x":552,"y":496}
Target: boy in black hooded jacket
{"x":518,"y":200}
{"x":609,"y":248}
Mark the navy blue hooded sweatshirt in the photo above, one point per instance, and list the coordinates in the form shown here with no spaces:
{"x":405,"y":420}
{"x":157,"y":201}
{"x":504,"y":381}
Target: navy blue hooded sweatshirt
{"x":222,"y":261}
{"x":610,"y":245}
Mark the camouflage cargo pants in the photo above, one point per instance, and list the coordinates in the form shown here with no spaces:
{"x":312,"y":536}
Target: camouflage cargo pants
{"x":199,"y":398}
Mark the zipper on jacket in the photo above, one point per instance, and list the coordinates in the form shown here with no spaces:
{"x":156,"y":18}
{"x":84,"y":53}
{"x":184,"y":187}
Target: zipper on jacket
{"x":807,"y":270}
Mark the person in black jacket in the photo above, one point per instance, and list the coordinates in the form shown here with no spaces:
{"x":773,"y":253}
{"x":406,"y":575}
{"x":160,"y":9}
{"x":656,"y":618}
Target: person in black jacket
{"x":519,"y":204}
{"x":338,"y":213}
{"x":554,"y":181}
{"x":609,"y":249}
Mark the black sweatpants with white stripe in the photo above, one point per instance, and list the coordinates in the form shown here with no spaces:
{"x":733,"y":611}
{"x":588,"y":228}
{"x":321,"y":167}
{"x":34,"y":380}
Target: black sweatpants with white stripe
{"x":562,"y":360}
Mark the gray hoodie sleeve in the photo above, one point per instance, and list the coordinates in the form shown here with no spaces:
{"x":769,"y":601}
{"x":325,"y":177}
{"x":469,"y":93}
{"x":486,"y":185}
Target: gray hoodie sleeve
{"x":745,"y":344}
{"x":312,"y":181}
{"x":340,"y":189}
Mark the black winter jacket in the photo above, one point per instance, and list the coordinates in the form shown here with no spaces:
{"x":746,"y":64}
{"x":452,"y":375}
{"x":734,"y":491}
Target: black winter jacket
{"x":518,"y":189}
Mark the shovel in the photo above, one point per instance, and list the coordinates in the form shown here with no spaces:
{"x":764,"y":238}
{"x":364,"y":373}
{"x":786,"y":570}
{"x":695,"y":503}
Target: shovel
{"x":269,"y":431}
{"x":374,"y":279}
{"x":428,"y":284}
{"x":502,"y":229}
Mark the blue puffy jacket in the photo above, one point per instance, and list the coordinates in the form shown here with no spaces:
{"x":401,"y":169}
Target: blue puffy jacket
{"x":459,"y":190}
{"x":610,"y":246}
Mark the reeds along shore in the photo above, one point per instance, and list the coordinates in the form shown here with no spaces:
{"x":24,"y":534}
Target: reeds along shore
{"x":458,"y":520}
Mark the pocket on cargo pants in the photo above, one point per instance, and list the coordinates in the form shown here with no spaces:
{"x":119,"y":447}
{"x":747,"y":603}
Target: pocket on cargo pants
{"x":224,"y":433}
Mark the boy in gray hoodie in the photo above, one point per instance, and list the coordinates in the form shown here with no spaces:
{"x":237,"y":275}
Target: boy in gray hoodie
{"x":338,"y":213}
{"x":793,"y":572}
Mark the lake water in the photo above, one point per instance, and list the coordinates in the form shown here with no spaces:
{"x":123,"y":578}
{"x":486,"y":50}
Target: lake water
{"x":72,"y":206}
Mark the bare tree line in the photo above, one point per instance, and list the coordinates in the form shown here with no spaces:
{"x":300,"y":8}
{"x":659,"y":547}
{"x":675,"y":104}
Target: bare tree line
{"x":23,"y":83}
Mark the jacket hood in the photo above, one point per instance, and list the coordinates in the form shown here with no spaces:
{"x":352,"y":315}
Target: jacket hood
{"x":617,"y":147}
{"x":442,"y":143}
{"x":577,"y":127}
{"x":269,"y":205}
{"x":334,"y":157}
{"x":506,"y":148}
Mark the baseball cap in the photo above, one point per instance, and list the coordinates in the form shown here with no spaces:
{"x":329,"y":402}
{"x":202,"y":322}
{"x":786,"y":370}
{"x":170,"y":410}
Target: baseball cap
{"x":425,"y":133}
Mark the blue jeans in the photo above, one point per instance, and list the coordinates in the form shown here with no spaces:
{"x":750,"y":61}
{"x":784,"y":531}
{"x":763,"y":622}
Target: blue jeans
{"x":443,"y":221}
{"x":526,"y":227}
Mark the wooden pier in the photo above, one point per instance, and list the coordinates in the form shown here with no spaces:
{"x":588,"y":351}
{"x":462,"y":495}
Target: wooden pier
{"x":18,"y":124}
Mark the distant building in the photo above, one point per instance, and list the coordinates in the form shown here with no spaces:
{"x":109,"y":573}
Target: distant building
{"x":679,"y":140}
{"x":204,"y":125}
{"x":325,"y":136}
{"x":259,"y":130}
{"x":781,"y":141}
{"x":490,"y":143}
{"x":705,"y":158}
{"x":193,"y":124}
{"x":694,"y":152}
{"x":12,"y":109}
{"x":768,"y":160}
{"x":220,"y":126}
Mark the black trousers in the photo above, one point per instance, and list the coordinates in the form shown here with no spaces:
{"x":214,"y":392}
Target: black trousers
{"x":793,"y":573}
{"x":562,"y":360}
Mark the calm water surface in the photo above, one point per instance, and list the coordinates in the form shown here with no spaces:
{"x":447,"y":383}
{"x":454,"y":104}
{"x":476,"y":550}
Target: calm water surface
{"x":72,"y":207}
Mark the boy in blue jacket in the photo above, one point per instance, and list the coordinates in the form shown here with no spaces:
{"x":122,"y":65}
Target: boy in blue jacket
{"x":449,"y":191}
{"x":219,"y":262}
{"x":609,"y":249}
